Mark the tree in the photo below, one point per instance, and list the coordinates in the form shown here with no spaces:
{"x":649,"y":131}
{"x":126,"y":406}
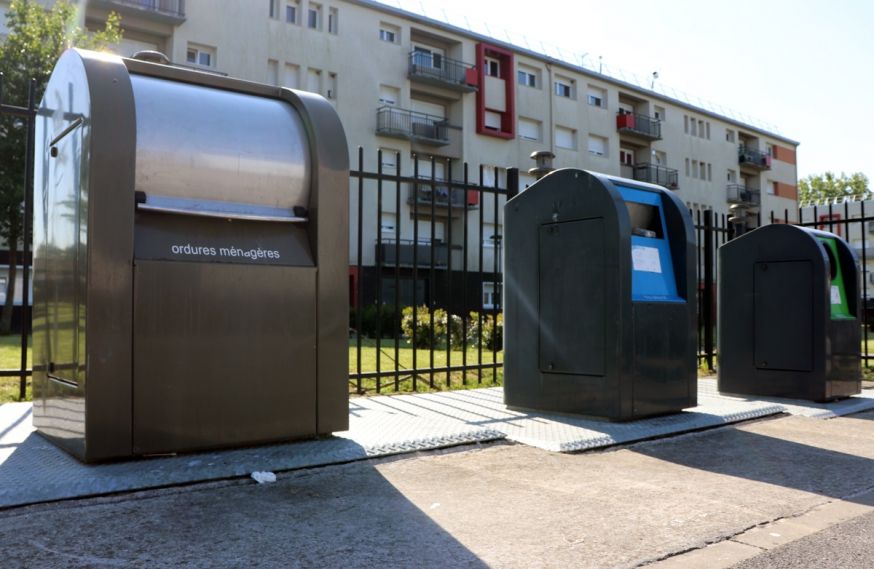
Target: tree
{"x":37,"y":38}
{"x":820,"y":187}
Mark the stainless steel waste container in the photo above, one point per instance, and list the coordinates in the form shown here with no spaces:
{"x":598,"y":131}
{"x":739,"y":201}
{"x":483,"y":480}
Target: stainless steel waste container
{"x":190,"y":261}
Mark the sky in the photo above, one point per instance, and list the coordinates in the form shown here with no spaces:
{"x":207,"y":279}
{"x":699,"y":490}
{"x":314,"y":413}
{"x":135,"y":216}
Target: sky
{"x":803,"y":68}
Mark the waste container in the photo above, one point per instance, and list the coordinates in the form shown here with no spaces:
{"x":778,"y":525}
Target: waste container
{"x":190,"y":261}
{"x":789,"y":314}
{"x":599,"y":289}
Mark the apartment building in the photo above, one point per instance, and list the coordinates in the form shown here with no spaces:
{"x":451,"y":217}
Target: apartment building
{"x":419,"y":89}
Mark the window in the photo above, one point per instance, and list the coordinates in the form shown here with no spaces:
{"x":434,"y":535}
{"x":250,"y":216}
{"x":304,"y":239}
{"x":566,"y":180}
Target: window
{"x":493,"y":120}
{"x":527,"y":76}
{"x":529,"y":129}
{"x":659,"y":113}
{"x":565,"y":138}
{"x":626,"y":157}
{"x":771,"y":188}
{"x":292,"y":8}
{"x":707,"y":127}
{"x":389,"y":95}
{"x":709,"y":172}
{"x":731,"y":176}
{"x":564,"y":87}
{"x":389,"y":161}
{"x":769,"y":149}
{"x":660,"y":158}
{"x":314,"y":17}
{"x":274,"y":9}
{"x":273,"y":72}
{"x":492,"y":67}
{"x":389,"y":33}
{"x":687,"y":167}
{"x":597,"y":145}
{"x":490,"y":181}
{"x":596,"y":97}
{"x":333,"y":21}
{"x":686,"y":124}
{"x":200,"y":55}
{"x":491,"y":295}
{"x":427,"y":57}
{"x":291,"y":77}
{"x":700,"y":128}
{"x":729,"y":135}
{"x":388,"y":223}
{"x":694,"y":168}
{"x":314,"y":80}
{"x":694,"y":127}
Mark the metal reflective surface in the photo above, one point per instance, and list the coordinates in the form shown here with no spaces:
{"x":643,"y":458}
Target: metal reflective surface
{"x":198,"y":142}
{"x":59,"y":249}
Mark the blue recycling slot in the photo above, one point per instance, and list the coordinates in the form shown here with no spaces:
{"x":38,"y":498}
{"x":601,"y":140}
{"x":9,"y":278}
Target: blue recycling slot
{"x":652,"y":273}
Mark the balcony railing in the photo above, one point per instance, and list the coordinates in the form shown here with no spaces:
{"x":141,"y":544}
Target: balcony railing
{"x":407,"y":253}
{"x":443,"y":71}
{"x":753,"y":158}
{"x":639,"y":125}
{"x":737,"y":194}
{"x":653,"y":174}
{"x":170,"y":11}
{"x":412,"y":125}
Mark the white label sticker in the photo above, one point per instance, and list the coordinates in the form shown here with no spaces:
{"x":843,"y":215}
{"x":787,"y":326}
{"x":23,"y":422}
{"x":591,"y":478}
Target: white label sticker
{"x":645,"y":259}
{"x":836,"y":295}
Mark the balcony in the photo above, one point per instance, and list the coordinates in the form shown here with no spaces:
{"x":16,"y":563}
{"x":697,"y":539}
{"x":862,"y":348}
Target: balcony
{"x":753,"y":158}
{"x":640,"y":126}
{"x":163,"y":11}
{"x":392,"y":252}
{"x":412,"y":125}
{"x":737,"y":194}
{"x":441,"y":195}
{"x":441,"y":71}
{"x":652,"y":173}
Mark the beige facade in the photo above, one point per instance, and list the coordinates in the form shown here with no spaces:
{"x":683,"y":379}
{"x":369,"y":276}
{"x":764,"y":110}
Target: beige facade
{"x":358,"y":54}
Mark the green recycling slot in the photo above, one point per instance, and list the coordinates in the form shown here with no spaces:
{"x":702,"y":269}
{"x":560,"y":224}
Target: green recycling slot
{"x":837,"y":293}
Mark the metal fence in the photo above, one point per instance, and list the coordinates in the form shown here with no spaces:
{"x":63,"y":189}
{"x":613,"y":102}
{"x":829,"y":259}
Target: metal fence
{"x":453,"y":275}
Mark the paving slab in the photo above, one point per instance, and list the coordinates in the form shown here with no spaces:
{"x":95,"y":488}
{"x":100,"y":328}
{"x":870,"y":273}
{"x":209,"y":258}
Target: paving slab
{"x":33,"y":470}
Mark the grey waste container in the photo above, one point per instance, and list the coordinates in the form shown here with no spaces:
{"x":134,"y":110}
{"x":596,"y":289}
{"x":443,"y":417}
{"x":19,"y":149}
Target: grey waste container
{"x":190,"y":261}
{"x":789,"y":308}
{"x":599,"y":289}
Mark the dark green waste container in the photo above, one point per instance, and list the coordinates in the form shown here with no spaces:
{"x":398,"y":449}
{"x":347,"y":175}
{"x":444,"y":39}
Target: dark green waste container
{"x":789,"y":315}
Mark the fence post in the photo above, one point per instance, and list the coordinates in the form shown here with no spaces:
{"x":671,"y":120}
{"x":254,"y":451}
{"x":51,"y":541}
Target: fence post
{"x":512,"y":182}
{"x":25,"y":231}
{"x":708,"y":288}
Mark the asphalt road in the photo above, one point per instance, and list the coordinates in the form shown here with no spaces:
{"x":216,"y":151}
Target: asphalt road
{"x":848,"y":545}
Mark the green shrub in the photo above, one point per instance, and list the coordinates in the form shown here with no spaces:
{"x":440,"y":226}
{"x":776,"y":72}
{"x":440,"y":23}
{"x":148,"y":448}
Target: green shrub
{"x":492,"y":331}
{"x":443,"y":321}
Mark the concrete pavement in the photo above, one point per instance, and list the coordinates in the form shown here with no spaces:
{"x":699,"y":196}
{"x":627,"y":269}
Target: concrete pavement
{"x":488,"y":505}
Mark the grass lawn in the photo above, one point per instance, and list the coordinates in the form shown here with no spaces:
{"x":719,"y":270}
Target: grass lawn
{"x":10,"y":358}
{"x":442,"y":380}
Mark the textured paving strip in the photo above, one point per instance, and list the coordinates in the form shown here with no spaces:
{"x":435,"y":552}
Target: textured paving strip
{"x":33,"y":470}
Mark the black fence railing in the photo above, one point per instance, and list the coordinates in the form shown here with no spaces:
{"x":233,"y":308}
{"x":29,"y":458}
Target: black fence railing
{"x":437,"y":68}
{"x":426,"y":289}
{"x":412,"y":125}
{"x":656,"y":174}
{"x":639,"y":125}
{"x":27,"y":114}
{"x":738,"y":194}
{"x":442,"y":194}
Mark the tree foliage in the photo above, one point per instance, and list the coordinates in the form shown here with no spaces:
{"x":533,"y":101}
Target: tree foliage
{"x":827,"y":186}
{"x":36,"y":39}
